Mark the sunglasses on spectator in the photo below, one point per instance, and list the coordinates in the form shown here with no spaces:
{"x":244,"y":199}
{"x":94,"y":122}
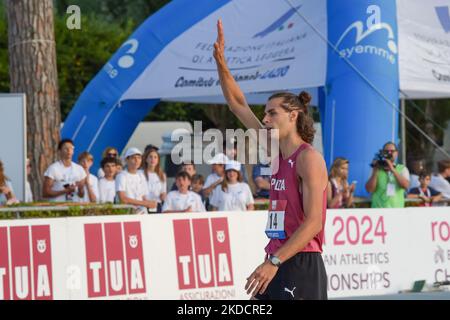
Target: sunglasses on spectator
{"x":112,"y":154}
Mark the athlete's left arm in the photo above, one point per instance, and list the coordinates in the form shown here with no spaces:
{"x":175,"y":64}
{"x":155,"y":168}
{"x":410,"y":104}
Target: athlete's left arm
{"x":313,"y":172}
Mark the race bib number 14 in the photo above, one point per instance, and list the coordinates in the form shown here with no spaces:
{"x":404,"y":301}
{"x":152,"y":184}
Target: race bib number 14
{"x":275,"y":219}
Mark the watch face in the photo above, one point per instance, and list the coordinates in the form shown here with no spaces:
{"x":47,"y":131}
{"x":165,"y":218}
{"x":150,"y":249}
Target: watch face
{"x":275,"y":261}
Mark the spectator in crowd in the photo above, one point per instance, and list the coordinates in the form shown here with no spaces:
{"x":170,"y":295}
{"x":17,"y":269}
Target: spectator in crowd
{"x":86,"y":160}
{"x":131,"y":186}
{"x":261,"y":177}
{"x":110,"y":152}
{"x":64,"y":178}
{"x":388,"y":181}
{"x":439,"y":182}
{"x":186,"y":167}
{"x":197,"y":186}
{"x":107,"y":184}
{"x":416,"y":167}
{"x":232,"y":194}
{"x":28,"y":192}
{"x":6,"y":189}
{"x":155,"y":177}
{"x":183,"y":200}
{"x":217,"y":175}
{"x":232,"y":154}
{"x":339,"y":193}
{"x":424,"y":192}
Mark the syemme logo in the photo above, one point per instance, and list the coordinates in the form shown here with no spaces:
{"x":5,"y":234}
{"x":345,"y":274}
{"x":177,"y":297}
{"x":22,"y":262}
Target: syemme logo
{"x":114,"y":259}
{"x":203,"y":253}
{"x":373,"y":25}
{"x":25,"y":263}
{"x":279,"y":24}
{"x":444,"y":17}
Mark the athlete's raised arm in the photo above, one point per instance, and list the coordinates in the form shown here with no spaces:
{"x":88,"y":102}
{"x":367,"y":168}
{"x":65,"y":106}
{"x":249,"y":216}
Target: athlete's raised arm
{"x":231,"y":91}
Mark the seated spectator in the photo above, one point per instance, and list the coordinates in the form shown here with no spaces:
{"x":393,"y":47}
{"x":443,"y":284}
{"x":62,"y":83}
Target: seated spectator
{"x":107,"y":184}
{"x":86,"y":160}
{"x":389,"y":180}
{"x":131,"y":186}
{"x":416,"y":167}
{"x":439,"y":182}
{"x":232,"y":194}
{"x":6,"y":189}
{"x":28,"y":192}
{"x":339,"y":193}
{"x":186,"y":167}
{"x":261,"y":178}
{"x":424,"y":192}
{"x":64,"y":178}
{"x":155,"y":177}
{"x":217,"y":175}
{"x":197,"y":186}
{"x":183,"y":200}
{"x":110,"y":152}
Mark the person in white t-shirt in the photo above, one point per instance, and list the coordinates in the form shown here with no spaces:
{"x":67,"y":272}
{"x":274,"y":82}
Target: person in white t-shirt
{"x":217,"y":175}
{"x":439,"y":182}
{"x":109,"y":152}
{"x":183,"y":200}
{"x":64,"y":178}
{"x":86,"y":160}
{"x":107,"y":184}
{"x":131,"y":186}
{"x":6,"y":189}
{"x":155,"y":177}
{"x":232,"y":194}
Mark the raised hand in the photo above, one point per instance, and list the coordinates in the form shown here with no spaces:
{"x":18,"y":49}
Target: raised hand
{"x":219,"y":45}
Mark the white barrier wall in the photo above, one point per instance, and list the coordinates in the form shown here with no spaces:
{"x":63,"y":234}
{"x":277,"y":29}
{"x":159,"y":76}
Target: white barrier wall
{"x":209,"y":255}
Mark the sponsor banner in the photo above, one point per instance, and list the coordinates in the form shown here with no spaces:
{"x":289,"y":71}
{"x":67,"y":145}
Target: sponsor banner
{"x":266,"y":50}
{"x":206,"y":256}
{"x":424,"y":46}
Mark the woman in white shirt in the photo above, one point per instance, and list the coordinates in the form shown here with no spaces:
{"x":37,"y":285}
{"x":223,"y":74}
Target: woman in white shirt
{"x":155,"y":177}
{"x":232,"y":194}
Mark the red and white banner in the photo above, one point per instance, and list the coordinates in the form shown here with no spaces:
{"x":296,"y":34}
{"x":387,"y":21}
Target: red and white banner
{"x":210,"y":255}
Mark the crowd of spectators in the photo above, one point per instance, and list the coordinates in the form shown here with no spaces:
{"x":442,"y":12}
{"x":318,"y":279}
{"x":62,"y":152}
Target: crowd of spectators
{"x":139,"y":180}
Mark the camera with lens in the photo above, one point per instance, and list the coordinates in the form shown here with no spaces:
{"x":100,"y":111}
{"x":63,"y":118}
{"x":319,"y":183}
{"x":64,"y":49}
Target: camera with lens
{"x":380,"y":159}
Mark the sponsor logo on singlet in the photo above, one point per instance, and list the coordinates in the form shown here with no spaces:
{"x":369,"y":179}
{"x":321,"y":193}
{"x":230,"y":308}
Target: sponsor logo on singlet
{"x":277,"y":184}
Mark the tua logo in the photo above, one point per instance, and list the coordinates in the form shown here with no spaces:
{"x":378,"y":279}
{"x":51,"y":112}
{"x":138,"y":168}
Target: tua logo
{"x":114,"y":259}
{"x":21,"y":279}
{"x":203,"y":255}
{"x":373,"y":24}
{"x":278,"y":184}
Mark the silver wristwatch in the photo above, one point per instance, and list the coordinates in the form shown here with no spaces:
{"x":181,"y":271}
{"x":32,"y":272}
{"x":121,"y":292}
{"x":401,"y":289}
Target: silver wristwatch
{"x":275,"y":260}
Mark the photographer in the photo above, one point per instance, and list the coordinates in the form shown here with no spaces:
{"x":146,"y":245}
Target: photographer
{"x":389,"y":180}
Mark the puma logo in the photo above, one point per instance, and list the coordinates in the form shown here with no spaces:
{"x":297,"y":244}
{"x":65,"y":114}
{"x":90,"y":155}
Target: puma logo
{"x":291,"y":163}
{"x":290,"y":291}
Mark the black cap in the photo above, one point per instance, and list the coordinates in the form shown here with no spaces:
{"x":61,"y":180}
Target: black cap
{"x":150,"y":147}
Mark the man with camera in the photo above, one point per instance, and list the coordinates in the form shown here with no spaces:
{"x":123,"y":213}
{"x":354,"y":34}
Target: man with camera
{"x":389,"y":180}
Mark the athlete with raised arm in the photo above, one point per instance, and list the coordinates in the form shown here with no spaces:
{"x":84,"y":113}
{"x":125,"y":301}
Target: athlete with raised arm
{"x":293,"y":268}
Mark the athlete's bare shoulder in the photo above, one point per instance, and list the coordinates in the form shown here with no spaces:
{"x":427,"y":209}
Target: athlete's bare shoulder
{"x":310,"y":164}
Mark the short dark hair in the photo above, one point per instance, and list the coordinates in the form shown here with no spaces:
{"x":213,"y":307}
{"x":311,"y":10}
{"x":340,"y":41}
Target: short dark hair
{"x":64,"y":141}
{"x":107,"y":160}
{"x":423,"y":174}
{"x":199,"y":178}
{"x":183,"y":174}
{"x":443,"y":165}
